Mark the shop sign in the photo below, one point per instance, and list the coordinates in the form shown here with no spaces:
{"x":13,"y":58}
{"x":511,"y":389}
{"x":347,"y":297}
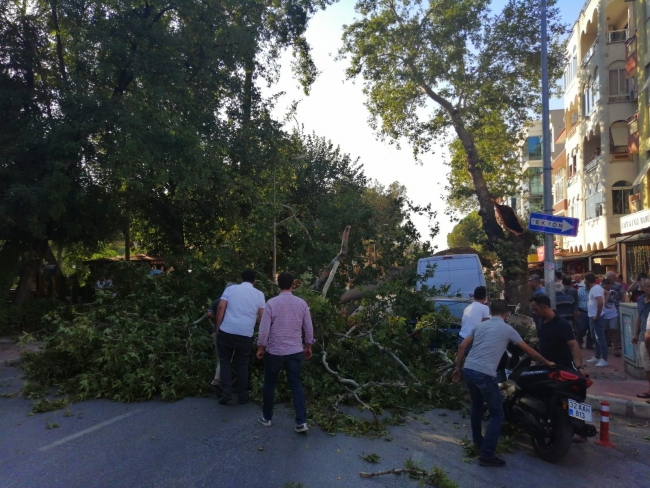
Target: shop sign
{"x":636,"y":221}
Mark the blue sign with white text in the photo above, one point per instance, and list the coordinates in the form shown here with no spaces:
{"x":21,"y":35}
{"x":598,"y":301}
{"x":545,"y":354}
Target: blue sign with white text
{"x":552,"y":224}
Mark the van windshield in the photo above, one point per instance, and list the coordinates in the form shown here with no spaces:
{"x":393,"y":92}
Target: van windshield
{"x":455,"y":308}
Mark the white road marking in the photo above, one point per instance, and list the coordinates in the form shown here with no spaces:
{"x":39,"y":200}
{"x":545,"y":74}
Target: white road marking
{"x":88,"y":430}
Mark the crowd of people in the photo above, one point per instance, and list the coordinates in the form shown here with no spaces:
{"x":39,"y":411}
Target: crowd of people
{"x":586,"y":316}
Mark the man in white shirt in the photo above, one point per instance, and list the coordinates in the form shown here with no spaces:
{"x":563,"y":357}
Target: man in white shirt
{"x":475,"y":313}
{"x":240,"y":308}
{"x":596,"y":322}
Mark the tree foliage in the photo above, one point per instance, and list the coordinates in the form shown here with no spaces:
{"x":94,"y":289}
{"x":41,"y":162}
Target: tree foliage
{"x":431,"y":67}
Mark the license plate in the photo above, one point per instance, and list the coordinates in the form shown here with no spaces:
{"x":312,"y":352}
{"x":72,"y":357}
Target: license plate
{"x":580,"y":411}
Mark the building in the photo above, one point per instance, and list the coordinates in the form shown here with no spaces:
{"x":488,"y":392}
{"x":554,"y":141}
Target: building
{"x":633,"y":236}
{"x":530,"y":197}
{"x":595,"y":174}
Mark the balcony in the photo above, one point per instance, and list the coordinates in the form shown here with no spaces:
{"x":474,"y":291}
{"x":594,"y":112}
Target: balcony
{"x":590,"y":53}
{"x":617,"y":36}
{"x":593,"y":164}
{"x":560,"y":206}
{"x":631,"y":57}
{"x":572,"y":130}
{"x":572,"y":180}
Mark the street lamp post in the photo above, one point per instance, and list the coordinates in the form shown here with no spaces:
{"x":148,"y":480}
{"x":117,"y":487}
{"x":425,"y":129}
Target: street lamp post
{"x":549,"y":255}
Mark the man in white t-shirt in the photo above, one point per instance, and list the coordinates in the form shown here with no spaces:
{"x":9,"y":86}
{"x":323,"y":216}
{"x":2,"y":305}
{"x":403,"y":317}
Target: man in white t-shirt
{"x":596,"y":322}
{"x":475,"y":313}
{"x":241,"y":306}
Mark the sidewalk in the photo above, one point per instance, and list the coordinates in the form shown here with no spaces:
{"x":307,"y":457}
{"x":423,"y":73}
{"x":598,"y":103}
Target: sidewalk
{"x":613,"y":385}
{"x":10,"y":352}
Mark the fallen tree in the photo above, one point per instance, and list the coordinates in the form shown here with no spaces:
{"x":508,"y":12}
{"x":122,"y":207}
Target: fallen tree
{"x":145,"y":342}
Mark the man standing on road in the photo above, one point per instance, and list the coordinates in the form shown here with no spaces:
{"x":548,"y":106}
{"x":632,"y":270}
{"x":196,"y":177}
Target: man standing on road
{"x":239,"y":309}
{"x":212,"y":316}
{"x":595,"y":305}
{"x":535,"y":285}
{"x":556,"y":341}
{"x":641,"y":334}
{"x":490,"y":340}
{"x":475,"y":313}
{"x":280,"y":344}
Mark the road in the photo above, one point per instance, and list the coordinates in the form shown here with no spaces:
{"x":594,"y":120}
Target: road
{"x":196,"y":442}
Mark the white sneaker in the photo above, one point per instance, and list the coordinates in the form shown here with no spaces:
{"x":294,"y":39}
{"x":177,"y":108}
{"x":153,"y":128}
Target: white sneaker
{"x":301,"y":428}
{"x":601,"y":363}
{"x":593,"y":360}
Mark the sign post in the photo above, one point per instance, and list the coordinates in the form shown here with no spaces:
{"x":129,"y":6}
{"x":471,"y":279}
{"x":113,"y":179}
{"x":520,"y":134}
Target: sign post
{"x":549,"y":255}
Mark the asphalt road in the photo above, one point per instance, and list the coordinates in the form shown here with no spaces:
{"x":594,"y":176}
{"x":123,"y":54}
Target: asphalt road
{"x":196,"y":442}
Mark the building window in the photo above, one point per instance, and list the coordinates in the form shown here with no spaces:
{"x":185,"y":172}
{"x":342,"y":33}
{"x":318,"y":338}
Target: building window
{"x":618,"y":84}
{"x":535,"y":187}
{"x":534,"y":148}
{"x":559,"y":186}
{"x":574,"y":208}
{"x":621,"y":192}
{"x":594,"y":202}
{"x":618,"y":133}
{"x":573,"y":166}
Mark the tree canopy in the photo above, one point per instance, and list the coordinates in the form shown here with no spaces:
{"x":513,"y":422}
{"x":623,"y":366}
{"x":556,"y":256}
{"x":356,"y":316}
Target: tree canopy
{"x":431,"y":68}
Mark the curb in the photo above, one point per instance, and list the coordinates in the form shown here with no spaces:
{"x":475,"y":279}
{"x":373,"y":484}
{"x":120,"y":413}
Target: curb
{"x":11,"y":362}
{"x":618,"y":406}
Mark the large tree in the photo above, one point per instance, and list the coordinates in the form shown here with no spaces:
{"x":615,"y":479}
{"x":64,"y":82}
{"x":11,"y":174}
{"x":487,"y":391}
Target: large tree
{"x":440,"y":66}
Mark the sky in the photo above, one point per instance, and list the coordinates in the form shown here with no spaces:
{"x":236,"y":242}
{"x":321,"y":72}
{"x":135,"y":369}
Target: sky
{"x":335,"y":110}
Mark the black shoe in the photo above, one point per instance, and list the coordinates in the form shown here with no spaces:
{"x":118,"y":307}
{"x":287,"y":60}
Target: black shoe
{"x":225,"y":399}
{"x":494,"y":462}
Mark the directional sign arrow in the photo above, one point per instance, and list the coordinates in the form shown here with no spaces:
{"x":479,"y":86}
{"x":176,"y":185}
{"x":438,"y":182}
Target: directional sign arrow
{"x":553,"y":224}
{"x":566,"y":226}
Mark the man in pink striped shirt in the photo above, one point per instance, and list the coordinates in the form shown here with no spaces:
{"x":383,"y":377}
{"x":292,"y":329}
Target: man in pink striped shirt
{"x":280,"y":344}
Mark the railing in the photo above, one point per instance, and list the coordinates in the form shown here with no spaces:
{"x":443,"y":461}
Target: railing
{"x":572,"y":180}
{"x":572,"y":130}
{"x":591,"y":165}
{"x":590,"y":52}
{"x":617,"y":36}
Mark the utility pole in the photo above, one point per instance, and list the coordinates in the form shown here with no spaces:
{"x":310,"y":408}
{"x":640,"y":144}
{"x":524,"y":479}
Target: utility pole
{"x":549,"y":248}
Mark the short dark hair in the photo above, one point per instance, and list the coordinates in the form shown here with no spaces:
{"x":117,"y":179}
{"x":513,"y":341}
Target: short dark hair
{"x":248,"y":276}
{"x":590,"y":278}
{"x":285,"y":280}
{"x":607,"y":281}
{"x":541,"y":300}
{"x":642,"y":276}
{"x":566,"y":280}
{"x":499,"y":307}
{"x":480,"y":292}
{"x":558,"y":275}
{"x":535,"y":277}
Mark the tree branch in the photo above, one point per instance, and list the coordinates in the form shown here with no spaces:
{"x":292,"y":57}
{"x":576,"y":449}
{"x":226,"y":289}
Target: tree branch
{"x":327,"y":275}
{"x":345,"y":381}
{"x":392,"y":354}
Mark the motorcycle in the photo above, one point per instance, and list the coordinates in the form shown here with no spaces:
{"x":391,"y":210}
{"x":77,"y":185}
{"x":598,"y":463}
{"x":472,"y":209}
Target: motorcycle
{"x":548,"y":404}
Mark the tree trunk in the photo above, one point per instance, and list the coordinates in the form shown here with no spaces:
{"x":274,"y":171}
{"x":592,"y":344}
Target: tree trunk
{"x":127,"y":237}
{"x":31,"y":270}
{"x":9,"y":265}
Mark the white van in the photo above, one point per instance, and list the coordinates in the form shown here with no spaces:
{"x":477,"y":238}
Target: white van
{"x":462,"y":273}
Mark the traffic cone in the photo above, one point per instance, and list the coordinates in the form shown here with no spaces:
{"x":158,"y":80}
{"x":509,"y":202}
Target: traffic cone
{"x":604,"y":426}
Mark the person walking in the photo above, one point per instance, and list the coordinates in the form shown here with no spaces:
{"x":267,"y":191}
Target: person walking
{"x":280,"y":344}
{"x":583,"y":319}
{"x":641,"y":335}
{"x":212,"y":316}
{"x":489,"y":340}
{"x":238,"y":311}
{"x":595,"y":305}
{"x":475,"y":313}
{"x":612,"y":301}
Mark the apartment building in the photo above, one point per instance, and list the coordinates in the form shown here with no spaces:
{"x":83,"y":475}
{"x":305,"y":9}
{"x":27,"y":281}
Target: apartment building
{"x":633,"y":237}
{"x":595,"y":174}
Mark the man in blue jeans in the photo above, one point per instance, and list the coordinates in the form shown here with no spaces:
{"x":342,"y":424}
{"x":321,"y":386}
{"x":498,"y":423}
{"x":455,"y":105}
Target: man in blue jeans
{"x":280,"y":344}
{"x":489,"y":341}
{"x":596,"y":321}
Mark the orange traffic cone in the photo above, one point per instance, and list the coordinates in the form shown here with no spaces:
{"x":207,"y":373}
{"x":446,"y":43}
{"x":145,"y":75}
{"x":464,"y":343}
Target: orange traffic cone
{"x":604,"y":426}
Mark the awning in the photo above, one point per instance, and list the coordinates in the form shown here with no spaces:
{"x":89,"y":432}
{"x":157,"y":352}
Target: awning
{"x":631,"y":233}
{"x":572,"y":257}
{"x":642,"y":174}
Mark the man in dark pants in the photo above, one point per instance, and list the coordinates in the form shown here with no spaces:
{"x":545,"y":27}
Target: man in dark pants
{"x":239,"y":309}
{"x":490,"y":340}
{"x":280,"y":344}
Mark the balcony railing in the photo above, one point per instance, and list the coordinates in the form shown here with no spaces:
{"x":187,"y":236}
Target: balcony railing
{"x":572,"y":180}
{"x":590,"y":53}
{"x":617,"y":36}
{"x":572,"y":130}
{"x":593,"y":164}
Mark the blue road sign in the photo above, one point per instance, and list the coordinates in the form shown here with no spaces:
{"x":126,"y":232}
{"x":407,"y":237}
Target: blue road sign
{"x":551,"y":224}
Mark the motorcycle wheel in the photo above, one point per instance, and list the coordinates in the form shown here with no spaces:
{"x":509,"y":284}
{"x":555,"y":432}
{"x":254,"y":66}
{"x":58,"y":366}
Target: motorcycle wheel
{"x":555,"y":447}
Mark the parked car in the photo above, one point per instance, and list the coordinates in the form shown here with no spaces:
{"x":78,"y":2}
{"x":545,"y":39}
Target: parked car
{"x":447,"y":338}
